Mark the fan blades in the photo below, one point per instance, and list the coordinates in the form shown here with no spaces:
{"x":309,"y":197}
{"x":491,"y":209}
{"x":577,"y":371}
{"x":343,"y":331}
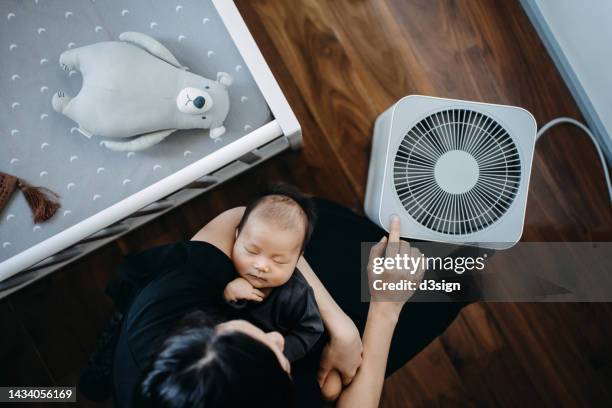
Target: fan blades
{"x":457,"y":171}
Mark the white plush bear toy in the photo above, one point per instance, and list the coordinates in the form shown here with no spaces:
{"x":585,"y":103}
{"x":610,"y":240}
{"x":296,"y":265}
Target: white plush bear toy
{"x":135,"y":87}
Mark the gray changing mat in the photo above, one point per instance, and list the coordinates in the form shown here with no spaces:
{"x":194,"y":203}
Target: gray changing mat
{"x":43,"y":147}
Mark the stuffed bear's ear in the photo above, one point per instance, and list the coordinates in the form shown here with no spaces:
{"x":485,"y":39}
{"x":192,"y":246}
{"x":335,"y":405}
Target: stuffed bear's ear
{"x":224,"y":78}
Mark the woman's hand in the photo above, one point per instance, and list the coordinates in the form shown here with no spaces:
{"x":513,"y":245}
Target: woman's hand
{"x":387,"y":299}
{"x":342,"y":352}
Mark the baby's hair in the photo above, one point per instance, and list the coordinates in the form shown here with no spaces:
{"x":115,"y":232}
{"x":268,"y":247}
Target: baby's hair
{"x":281,"y":203}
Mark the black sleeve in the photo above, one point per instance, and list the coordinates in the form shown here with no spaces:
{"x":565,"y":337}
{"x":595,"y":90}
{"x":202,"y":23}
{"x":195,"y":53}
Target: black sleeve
{"x":197,"y":283}
{"x":140,"y":267}
{"x":137,"y":269}
{"x":308,"y":327}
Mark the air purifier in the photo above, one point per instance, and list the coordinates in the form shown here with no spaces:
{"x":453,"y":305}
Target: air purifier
{"x":453,"y":171}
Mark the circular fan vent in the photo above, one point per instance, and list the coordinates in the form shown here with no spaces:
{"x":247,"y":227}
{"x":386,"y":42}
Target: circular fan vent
{"x":457,"y":171}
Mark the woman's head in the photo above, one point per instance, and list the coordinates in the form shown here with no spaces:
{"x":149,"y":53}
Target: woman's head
{"x":234,"y":364}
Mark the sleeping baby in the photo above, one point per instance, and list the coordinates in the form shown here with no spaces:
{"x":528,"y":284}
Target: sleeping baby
{"x":275,"y":296}
{"x":269,"y":241}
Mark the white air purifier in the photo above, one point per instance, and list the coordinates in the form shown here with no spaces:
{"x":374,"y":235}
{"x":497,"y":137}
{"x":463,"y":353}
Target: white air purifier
{"x":454,"y":171}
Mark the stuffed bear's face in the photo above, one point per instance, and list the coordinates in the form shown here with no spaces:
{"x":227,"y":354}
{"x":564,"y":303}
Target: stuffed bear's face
{"x":201,"y":102}
{"x":194,"y":101}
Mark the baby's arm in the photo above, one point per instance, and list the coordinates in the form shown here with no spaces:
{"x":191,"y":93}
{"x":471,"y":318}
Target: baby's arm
{"x":300,"y":340}
{"x":343,"y":351}
{"x":301,"y":309}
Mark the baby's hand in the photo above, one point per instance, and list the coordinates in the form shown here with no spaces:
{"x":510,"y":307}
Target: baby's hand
{"x":240,"y":288}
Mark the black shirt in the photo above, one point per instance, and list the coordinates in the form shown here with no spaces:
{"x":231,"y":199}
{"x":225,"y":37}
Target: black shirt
{"x":290,"y":309}
{"x":166,"y":283}
{"x":160,"y":285}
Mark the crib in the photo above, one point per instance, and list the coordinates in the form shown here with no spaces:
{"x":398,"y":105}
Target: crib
{"x":104,"y":193}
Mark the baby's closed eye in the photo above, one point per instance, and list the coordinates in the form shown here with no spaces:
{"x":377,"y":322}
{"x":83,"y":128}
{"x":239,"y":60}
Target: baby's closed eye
{"x":251,"y":251}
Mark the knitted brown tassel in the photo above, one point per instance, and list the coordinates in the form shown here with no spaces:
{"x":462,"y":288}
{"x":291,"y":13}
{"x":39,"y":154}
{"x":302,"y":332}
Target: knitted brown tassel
{"x":41,"y":200}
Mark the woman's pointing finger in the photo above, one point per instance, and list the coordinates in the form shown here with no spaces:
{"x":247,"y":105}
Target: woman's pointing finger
{"x":394,"y":237}
{"x":394,"y":229}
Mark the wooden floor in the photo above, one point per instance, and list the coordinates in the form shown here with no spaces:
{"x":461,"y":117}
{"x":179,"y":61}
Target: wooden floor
{"x":341,"y":63}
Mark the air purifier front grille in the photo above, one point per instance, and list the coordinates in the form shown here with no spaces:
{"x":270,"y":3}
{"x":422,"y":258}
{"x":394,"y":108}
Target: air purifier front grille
{"x":457,"y":171}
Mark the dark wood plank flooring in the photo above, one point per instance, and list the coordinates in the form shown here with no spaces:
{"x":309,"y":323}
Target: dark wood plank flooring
{"x":341,"y":63}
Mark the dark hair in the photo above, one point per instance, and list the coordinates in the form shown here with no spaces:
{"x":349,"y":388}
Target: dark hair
{"x":292,"y":195}
{"x":197,"y":367}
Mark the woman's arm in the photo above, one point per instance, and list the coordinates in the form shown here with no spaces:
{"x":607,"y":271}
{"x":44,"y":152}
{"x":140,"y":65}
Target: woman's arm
{"x":221,"y":230}
{"x":383,"y":314}
{"x":366,"y":387}
{"x":344,"y":350}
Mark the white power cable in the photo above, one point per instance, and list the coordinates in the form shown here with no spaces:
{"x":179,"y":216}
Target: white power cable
{"x":574,"y":122}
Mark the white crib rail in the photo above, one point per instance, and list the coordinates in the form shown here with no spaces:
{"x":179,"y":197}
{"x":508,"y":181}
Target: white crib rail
{"x":215,"y":166}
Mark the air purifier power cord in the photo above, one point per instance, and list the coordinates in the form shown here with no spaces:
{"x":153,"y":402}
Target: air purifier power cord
{"x":574,"y":122}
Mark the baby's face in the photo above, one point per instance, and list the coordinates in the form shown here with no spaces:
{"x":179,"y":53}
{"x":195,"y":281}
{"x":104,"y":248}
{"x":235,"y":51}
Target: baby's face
{"x":266,"y":255}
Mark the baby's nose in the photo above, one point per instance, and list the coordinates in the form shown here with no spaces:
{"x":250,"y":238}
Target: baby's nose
{"x":262,"y":268}
{"x":261,"y":265}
